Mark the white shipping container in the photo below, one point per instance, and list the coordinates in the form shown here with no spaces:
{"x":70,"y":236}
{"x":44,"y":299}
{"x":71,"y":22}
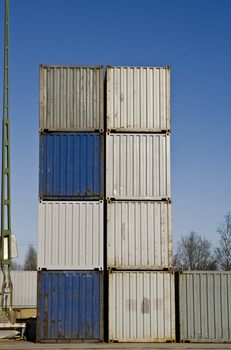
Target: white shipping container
{"x":138,"y":166}
{"x":24,"y":289}
{"x":139,"y":235}
{"x":71,"y":98}
{"x":138,"y":98}
{"x":141,"y":306}
{"x":70,"y":235}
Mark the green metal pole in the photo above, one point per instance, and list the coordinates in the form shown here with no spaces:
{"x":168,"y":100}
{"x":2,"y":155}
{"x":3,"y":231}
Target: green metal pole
{"x":5,"y":195}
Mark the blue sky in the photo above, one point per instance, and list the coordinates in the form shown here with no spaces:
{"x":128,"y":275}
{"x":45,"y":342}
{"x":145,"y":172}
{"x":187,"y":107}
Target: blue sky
{"x":192,"y":36}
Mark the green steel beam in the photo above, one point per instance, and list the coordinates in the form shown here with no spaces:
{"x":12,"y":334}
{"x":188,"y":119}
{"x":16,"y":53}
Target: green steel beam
{"x":6,"y":195}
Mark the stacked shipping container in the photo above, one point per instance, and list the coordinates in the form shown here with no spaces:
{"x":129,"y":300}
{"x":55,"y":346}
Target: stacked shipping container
{"x":139,"y":232}
{"x":138,"y":208}
{"x":204,"y":306}
{"x":71,"y":191}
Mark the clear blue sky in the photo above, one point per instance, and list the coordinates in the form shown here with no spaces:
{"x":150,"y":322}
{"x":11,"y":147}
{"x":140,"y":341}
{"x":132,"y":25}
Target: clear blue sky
{"x":193,"y":37}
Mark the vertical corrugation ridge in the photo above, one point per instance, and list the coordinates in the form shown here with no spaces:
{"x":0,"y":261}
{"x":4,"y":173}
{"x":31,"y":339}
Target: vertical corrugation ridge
{"x":220,"y":289}
{"x":160,"y":99}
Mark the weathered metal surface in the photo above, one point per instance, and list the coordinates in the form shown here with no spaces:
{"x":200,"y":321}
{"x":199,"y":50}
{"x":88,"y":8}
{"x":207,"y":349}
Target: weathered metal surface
{"x":71,"y":98}
{"x":138,"y":98}
{"x":205,"y":306}
{"x":138,"y":166}
{"x":71,"y":166}
{"x":70,"y":235}
{"x":141,"y":306}
{"x":70,"y":306}
{"x":24,"y":289}
{"x":139,"y":235}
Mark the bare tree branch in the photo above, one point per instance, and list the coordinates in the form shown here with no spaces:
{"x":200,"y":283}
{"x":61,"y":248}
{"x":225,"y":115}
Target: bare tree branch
{"x":223,"y":252}
{"x":194,"y":253}
{"x":30,"y":263}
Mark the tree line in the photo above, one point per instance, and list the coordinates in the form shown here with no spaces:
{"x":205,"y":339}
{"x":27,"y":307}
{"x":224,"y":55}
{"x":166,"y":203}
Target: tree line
{"x":196,"y":253}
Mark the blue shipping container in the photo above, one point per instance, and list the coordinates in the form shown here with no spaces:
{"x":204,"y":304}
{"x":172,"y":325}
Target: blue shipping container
{"x":70,"y":306}
{"x":71,"y":166}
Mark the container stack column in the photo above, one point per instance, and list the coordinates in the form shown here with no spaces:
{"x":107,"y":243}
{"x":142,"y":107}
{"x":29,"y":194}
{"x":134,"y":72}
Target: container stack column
{"x":141,"y":303}
{"x":71,"y":208}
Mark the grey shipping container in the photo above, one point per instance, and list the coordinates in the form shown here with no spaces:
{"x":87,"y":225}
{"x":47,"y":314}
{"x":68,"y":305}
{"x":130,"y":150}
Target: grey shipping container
{"x":70,"y":306}
{"x":71,"y":98}
{"x":139,"y":235}
{"x":138,"y":166}
{"x":205,"y":306}
{"x":70,"y":235}
{"x":141,"y":306}
{"x":138,"y":99}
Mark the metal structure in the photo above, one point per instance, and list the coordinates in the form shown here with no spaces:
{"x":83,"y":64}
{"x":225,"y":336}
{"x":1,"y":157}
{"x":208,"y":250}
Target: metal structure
{"x":5,"y":196}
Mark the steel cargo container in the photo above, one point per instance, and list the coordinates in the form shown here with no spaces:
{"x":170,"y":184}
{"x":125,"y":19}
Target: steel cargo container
{"x":24,"y":289}
{"x":141,"y":306}
{"x":138,"y":166}
{"x":205,"y":306}
{"x":139,"y":235}
{"x":70,"y":235}
{"x":138,"y":98}
{"x":71,"y":166}
{"x":70,"y":306}
{"x":71,"y":98}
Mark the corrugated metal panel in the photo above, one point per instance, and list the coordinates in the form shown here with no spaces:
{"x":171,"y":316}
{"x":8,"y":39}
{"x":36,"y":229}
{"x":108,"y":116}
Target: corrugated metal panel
{"x":71,"y":98}
{"x":138,"y":166}
{"x":138,"y":98}
{"x":71,"y":166}
{"x":70,"y":235}
{"x":205,"y":306}
{"x":70,"y":306}
{"x":141,"y":306}
{"x":139,"y":235}
{"x":24,"y":288}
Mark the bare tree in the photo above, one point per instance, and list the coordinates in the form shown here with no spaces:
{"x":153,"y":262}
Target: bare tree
{"x":223,"y":252}
{"x":194,"y":253}
{"x":30,"y":263}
